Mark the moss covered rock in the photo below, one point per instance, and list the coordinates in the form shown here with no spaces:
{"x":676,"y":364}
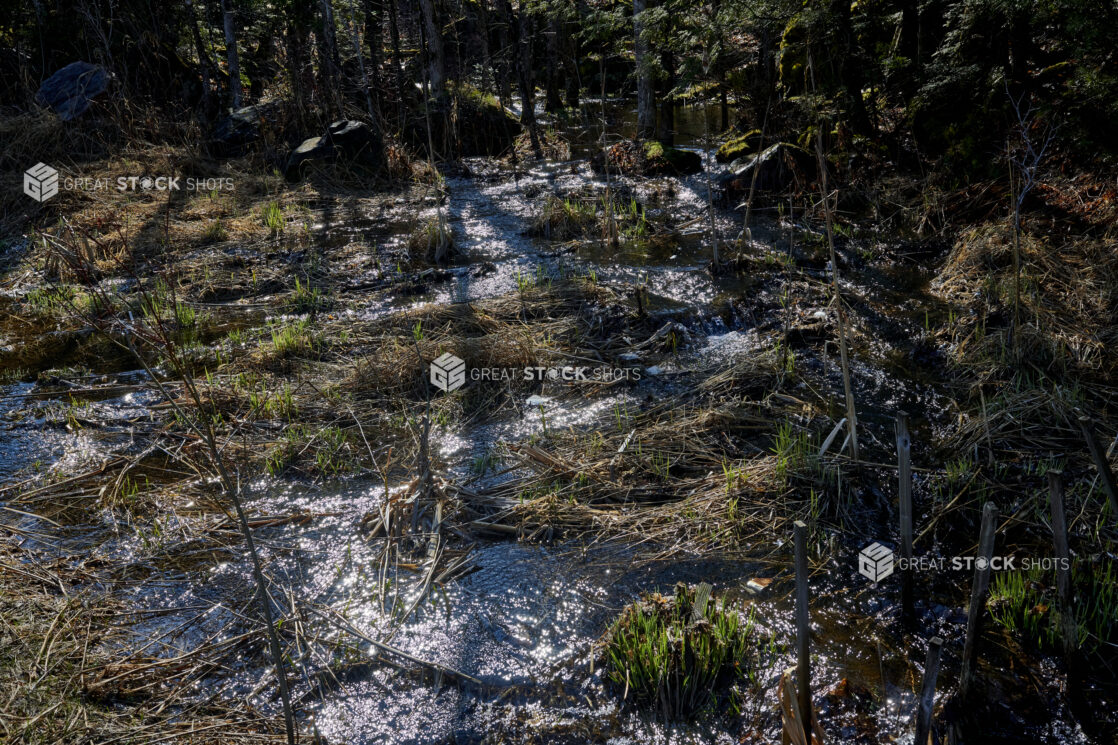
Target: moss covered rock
{"x":648,"y":158}
{"x":470,"y":123}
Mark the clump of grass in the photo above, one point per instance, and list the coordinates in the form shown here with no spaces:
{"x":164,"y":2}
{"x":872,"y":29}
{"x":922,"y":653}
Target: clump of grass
{"x":50,"y":300}
{"x":1025,"y":603}
{"x":294,"y":340}
{"x":309,"y":451}
{"x":564,"y":219}
{"x":271,"y":215}
{"x":634,"y":220}
{"x":307,"y":299}
{"x":433,"y":241}
{"x":668,"y":655}
{"x":215,"y":232}
{"x":793,"y":451}
{"x":279,"y":404}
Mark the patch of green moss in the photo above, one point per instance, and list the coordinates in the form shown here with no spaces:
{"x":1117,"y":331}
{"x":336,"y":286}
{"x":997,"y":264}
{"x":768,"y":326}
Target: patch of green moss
{"x":738,"y":147}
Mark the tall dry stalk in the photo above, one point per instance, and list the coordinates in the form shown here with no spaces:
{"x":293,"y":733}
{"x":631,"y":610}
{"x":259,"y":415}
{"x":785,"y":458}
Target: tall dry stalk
{"x":836,"y":298}
{"x":715,"y":259}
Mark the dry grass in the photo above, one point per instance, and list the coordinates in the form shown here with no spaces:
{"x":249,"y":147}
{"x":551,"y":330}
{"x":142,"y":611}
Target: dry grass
{"x":61,"y":681}
{"x":535,"y":326}
{"x":1068,"y":301}
{"x":1025,"y":387}
{"x":672,"y":477}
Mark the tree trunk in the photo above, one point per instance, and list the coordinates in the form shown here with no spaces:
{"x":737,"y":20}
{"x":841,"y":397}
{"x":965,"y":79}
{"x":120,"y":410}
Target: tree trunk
{"x":572,"y":54}
{"x":666,"y":124}
{"x":296,"y":44}
{"x":554,"y":96}
{"x":209,"y":69}
{"x":504,"y":61}
{"x":374,"y":33}
{"x":329,"y":62}
{"x":436,"y":56}
{"x":527,"y":85}
{"x":523,"y":61}
{"x":231,"y":55}
{"x":489,"y":65}
{"x":908,"y":46}
{"x":849,"y":70}
{"x":397,"y":57}
{"x":646,"y":113}
{"x":374,"y":120}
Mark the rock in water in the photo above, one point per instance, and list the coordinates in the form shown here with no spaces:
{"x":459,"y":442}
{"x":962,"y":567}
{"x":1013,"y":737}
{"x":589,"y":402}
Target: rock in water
{"x":778,"y":167}
{"x":71,"y":90}
{"x":351,"y":141}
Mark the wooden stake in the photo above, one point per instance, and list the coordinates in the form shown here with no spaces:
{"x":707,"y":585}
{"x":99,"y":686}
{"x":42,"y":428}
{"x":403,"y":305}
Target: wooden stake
{"x":928,"y":692}
{"x":904,"y":493}
{"x":1063,"y":569}
{"x":978,"y":596}
{"x":1101,"y":463}
{"x":803,"y":629}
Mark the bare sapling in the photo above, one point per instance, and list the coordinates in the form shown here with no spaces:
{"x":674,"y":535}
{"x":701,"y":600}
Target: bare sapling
{"x":716,"y":262}
{"x":146,"y":338}
{"x":1024,"y":161}
{"x":840,"y":310}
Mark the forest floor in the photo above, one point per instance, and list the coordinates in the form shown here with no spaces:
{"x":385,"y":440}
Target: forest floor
{"x":486,"y":537}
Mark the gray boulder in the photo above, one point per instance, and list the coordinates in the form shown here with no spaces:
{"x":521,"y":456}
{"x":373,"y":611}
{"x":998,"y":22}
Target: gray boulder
{"x":778,"y":167}
{"x":241,"y":127}
{"x":71,"y":90}
{"x":353,"y":142}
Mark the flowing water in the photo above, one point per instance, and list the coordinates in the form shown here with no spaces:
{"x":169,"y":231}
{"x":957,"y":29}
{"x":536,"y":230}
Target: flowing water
{"x":526,"y":619}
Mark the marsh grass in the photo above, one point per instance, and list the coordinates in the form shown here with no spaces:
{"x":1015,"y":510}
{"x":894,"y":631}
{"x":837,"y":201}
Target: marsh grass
{"x":272,"y":217}
{"x":312,"y":451}
{"x":290,"y":341}
{"x":1025,"y":603}
{"x":215,"y":232}
{"x":665,"y":656}
{"x":307,"y":299}
{"x":579,"y":216}
{"x":561,"y":219}
{"x":432,"y":241}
